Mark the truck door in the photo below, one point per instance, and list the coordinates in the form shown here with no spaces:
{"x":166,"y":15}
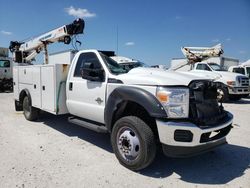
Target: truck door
{"x":86,"y":98}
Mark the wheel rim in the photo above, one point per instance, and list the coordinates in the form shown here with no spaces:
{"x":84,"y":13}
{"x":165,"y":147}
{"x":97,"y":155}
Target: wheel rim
{"x":128,"y":144}
{"x":220,"y":94}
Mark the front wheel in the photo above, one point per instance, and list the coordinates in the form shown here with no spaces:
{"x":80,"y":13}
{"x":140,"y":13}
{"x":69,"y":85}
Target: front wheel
{"x":133,"y":143}
{"x":30,"y":113}
{"x":222,"y":94}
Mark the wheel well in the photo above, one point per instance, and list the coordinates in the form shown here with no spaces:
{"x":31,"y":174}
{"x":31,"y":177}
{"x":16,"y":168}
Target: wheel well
{"x":222,"y":85}
{"x":130,"y":108}
{"x":22,"y":95}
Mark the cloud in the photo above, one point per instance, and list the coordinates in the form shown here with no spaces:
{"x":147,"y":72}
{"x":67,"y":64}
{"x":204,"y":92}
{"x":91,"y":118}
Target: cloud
{"x":242,"y":51}
{"x":129,"y":44}
{"x":6,"y":32}
{"x":216,"y":40}
{"x":178,"y":17}
{"x":79,"y":12}
{"x":228,"y":39}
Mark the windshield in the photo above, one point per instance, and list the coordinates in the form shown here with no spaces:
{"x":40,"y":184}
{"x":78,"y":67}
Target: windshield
{"x":216,"y":67}
{"x":113,"y":66}
{"x":239,"y":70}
{"x":130,"y":65}
{"x":248,"y":72}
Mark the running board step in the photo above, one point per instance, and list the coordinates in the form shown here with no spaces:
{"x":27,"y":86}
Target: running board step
{"x":98,"y":127}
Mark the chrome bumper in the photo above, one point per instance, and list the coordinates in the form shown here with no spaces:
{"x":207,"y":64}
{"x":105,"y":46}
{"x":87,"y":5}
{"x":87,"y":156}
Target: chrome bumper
{"x":238,"y":90}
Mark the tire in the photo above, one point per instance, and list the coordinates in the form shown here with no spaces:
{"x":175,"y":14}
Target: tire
{"x":1,"y":87}
{"x":132,"y":135}
{"x":30,"y":113}
{"x":222,"y":94}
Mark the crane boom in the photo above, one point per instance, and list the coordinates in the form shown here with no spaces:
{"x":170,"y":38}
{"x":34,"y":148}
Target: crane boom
{"x":25,"y":52}
{"x":198,"y":54}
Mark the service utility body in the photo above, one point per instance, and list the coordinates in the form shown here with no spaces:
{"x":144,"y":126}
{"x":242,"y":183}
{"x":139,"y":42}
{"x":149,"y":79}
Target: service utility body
{"x":142,"y":108}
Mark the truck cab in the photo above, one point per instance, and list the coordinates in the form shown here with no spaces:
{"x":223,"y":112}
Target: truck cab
{"x":245,"y":70}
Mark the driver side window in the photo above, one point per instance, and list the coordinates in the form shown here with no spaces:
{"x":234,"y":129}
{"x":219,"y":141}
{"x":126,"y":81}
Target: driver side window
{"x":87,"y":58}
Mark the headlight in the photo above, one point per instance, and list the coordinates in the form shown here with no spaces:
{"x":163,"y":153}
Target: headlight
{"x":174,"y":100}
{"x":231,"y":83}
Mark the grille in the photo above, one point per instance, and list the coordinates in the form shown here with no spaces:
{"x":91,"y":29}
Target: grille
{"x":204,"y":109}
{"x":243,"y":81}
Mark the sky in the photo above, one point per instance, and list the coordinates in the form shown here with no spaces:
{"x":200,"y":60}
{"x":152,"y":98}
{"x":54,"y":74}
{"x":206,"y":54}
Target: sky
{"x":151,"y":31}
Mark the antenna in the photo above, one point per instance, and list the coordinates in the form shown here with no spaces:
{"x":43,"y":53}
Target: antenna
{"x":117,"y":40}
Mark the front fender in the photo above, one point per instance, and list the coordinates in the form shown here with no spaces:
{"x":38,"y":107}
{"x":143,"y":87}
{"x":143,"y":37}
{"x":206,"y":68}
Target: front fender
{"x":132,"y":94}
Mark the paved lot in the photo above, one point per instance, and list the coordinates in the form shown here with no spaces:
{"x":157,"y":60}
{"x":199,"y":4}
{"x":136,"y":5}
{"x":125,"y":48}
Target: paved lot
{"x":54,"y":153}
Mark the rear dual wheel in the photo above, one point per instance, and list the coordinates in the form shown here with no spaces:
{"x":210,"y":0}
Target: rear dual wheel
{"x":30,"y":112}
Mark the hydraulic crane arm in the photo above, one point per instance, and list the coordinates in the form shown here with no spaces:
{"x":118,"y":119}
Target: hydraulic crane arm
{"x":25,"y":52}
{"x":198,"y":54}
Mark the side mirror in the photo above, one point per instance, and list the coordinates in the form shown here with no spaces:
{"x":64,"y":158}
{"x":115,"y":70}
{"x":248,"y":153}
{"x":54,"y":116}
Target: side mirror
{"x":92,"y":74}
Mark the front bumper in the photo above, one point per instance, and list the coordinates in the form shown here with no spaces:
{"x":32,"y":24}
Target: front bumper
{"x":238,"y":90}
{"x":182,"y":139}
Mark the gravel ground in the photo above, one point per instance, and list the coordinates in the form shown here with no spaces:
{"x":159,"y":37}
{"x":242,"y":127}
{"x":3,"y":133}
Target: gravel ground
{"x":54,"y":153}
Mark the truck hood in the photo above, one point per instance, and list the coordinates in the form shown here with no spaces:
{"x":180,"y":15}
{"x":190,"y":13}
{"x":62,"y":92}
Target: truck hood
{"x":222,"y":76}
{"x":203,"y":74}
{"x":229,"y":75}
{"x":154,"y":76}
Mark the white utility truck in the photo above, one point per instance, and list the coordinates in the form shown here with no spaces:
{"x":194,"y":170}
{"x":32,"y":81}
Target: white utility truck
{"x":142,"y":108}
{"x":6,"y":65}
{"x":229,"y":85}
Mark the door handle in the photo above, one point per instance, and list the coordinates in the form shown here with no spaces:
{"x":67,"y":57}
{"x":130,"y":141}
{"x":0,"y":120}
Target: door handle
{"x":70,"y":86}
{"x":99,"y":100}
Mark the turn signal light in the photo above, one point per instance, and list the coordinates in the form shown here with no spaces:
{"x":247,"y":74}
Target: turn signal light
{"x":162,"y":96}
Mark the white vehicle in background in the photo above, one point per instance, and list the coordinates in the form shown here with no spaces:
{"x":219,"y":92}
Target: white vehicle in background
{"x":243,"y":68}
{"x":141,"y":108}
{"x":6,"y":66}
{"x":229,"y":85}
{"x":128,"y":63}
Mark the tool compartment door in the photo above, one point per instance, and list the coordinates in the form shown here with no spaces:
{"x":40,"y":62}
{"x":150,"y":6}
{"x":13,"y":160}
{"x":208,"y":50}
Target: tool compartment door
{"x":48,"y":88}
{"x":16,"y":82}
{"x":36,"y":88}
